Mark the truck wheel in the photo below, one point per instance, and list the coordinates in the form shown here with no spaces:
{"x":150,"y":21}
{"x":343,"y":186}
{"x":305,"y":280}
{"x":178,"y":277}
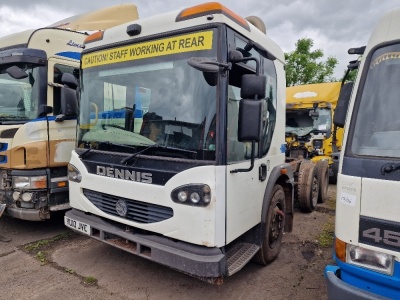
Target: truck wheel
{"x":274,"y":226}
{"x":323,"y":180}
{"x":307,"y":186}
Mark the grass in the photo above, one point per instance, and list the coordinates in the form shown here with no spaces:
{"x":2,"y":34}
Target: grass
{"x":46,"y":242}
{"x":325,"y":239}
{"x":42,"y":257}
{"x":90,"y":280}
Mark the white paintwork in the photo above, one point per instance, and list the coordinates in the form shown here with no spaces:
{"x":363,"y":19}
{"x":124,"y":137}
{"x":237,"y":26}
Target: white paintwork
{"x":380,"y":199}
{"x":197,"y":225}
{"x":347,"y":216}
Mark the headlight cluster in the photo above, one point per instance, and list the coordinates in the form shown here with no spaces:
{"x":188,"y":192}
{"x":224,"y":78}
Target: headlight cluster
{"x":317,"y":144}
{"x":73,"y":174}
{"x":192,"y":194}
{"x":28,"y":183}
{"x":374,"y":260}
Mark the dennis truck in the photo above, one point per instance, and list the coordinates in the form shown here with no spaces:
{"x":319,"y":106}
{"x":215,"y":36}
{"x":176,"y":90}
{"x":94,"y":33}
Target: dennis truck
{"x":180,"y":151}
{"x":367,"y":229}
{"x":38,"y":110}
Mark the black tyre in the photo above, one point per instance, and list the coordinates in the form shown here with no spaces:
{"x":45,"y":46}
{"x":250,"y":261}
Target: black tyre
{"x":323,"y":180}
{"x":274,"y":226}
{"x":307,"y":186}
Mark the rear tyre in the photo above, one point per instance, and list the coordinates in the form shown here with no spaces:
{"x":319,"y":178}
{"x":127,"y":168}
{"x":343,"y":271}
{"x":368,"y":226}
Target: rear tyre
{"x":274,"y":226}
{"x":307,"y":186}
{"x":323,"y":180}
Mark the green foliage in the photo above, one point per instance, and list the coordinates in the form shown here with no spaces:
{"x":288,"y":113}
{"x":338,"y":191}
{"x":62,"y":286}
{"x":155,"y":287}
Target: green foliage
{"x":90,"y":280}
{"x":326,"y":237}
{"x":304,"y":65}
{"x":351,"y":76}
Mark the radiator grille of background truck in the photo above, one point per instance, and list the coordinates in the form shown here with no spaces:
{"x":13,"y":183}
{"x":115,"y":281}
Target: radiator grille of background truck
{"x":140,"y":212}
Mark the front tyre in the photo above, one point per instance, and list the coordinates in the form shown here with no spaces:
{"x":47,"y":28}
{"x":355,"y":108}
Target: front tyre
{"x":274,"y":226}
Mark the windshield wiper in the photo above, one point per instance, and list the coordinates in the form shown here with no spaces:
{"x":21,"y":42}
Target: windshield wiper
{"x":2,"y":116}
{"x":84,"y":153}
{"x":132,"y":156}
{"x":388,"y":168}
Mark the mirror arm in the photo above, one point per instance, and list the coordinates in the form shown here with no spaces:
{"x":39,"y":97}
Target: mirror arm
{"x":253,"y":146}
{"x":257,"y":63}
{"x":53,"y":84}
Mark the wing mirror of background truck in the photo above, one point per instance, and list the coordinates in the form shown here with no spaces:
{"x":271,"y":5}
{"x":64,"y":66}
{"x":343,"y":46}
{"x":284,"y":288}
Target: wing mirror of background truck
{"x":339,"y":116}
{"x":16,"y":72}
{"x":69,"y":99}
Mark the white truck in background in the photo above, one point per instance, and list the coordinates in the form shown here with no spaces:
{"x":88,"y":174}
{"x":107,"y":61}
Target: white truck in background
{"x":38,"y":111}
{"x":181,"y":139}
{"x":367,"y":229}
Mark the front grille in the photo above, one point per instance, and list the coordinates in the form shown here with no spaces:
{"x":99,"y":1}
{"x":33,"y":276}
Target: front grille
{"x":140,"y":212}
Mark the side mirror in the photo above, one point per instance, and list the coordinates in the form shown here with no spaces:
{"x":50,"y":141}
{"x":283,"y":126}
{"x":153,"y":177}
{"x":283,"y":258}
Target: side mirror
{"x":339,"y":117}
{"x":16,"y":72}
{"x":69,"y":80}
{"x":69,"y":104}
{"x":206,"y":64}
{"x":249,"y":123}
{"x":250,"y":107}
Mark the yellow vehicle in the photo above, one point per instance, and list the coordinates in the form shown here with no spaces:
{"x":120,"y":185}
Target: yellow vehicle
{"x":38,"y":110}
{"x":310,"y":133}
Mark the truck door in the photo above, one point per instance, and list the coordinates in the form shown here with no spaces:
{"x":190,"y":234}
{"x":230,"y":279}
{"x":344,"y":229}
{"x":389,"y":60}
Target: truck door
{"x":61,"y":134}
{"x":243,"y":190}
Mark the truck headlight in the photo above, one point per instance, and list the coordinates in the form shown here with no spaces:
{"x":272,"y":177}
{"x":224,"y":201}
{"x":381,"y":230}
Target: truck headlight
{"x":74,"y":174}
{"x":370,"y":259}
{"x":192,"y":194}
{"x":29,"y":183}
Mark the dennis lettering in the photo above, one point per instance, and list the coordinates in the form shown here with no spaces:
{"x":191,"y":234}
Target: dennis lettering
{"x":124,"y":174}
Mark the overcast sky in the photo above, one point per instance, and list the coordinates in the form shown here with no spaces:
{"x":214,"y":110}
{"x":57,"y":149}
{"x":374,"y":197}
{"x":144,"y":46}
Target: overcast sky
{"x":334,"y":25}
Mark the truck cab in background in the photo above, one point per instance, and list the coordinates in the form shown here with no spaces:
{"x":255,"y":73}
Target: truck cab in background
{"x":39,"y":72}
{"x":367,"y":229}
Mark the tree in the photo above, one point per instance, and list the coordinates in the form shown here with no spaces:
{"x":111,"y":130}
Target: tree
{"x":351,"y":76}
{"x":306,"y":66}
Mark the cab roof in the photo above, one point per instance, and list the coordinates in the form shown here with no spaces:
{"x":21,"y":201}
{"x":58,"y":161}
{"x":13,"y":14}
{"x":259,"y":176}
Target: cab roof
{"x":313,"y":93}
{"x":192,"y":17}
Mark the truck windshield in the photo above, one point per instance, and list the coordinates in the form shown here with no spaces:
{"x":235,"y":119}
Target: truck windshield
{"x":300,"y":123}
{"x":18,"y":97}
{"x":152,"y":101}
{"x":377,"y":123}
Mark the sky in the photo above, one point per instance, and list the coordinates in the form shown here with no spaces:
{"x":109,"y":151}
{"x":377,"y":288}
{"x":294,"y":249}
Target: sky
{"x":335,"y":26}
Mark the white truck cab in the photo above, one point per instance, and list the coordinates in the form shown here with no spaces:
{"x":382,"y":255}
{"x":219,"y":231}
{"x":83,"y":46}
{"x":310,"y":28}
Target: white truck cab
{"x":367,"y":230}
{"x":180,"y":145}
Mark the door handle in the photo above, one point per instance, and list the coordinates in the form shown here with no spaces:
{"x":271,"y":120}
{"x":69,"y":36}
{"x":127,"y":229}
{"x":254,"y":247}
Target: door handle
{"x":262,"y":172}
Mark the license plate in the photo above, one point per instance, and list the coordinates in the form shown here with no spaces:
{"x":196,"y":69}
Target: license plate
{"x":77,"y":225}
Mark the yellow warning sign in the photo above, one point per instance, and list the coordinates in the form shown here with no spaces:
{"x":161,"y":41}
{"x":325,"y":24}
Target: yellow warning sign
{"x":178,"y":44}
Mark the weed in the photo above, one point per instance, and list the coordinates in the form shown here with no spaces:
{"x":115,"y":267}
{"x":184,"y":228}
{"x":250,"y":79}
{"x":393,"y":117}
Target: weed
{"x":90,"y":280}
{"x":44,"y":243}
{"x":41,"y":256}
{"x":325,"y":239}
{"x":70,"y":271}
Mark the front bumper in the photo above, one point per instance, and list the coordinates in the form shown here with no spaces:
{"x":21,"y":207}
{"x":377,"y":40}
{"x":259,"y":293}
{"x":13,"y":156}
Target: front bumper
{"x":340,"y":290}
{"x":199,"y":261}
